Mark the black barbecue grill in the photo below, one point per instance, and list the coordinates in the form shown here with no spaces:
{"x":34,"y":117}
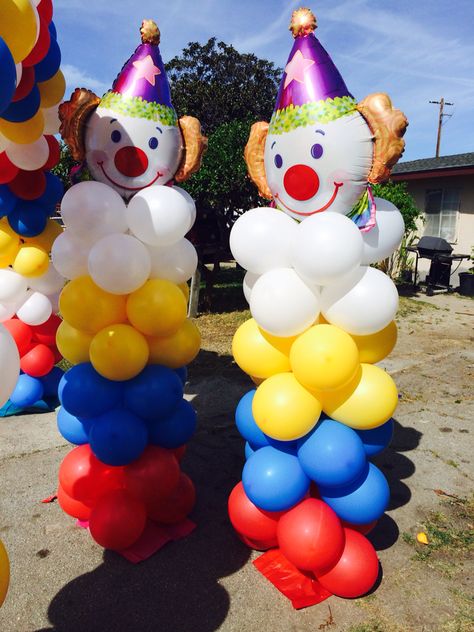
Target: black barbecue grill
{"x":439,"y":251}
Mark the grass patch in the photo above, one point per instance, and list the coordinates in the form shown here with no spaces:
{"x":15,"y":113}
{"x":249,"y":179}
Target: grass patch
{"x":371,"y":626}
{"x":217,"y":330}
{"x":409,"y":306}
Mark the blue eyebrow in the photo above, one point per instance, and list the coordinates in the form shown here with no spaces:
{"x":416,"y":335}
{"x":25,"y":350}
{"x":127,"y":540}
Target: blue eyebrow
{"x":159,"y":130}
{"x":273,"y":144}
{"x":320,"y":131}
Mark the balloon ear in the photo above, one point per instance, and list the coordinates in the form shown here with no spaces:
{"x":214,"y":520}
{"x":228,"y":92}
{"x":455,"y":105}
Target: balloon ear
{"x":73,"y":115}
{"x":253,"y":155}
{"x":388,"y":125}
{"x":195,"y":144}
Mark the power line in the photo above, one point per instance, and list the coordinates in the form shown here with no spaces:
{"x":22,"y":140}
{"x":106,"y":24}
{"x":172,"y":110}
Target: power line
{"x":441,"y":104}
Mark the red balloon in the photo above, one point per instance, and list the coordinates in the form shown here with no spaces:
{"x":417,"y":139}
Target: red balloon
{"x":45,"y":10}
{"x":57,"y":355}
{"x":356,"y":571}
{"x":85,"y":478}
{"x":361,"y":528}
{"x":249,"y":521}
{"x":41,"y":47}
{"x":21,"y":334}
{"x":26,"y":84}
{"x":258,"y":545}
{"x":153,"y":476}
{"x":28,"y":185}
{"x":117,"y":520}
{"x":8,"y":171}
{"x":73,"y":507}
{"x":54,"y":153}
{"x":38,"y":361}
{"x":46,"y":332}
{"x":310,"y":536}
{"x":177,"y":505}
{"x":179,"y":452}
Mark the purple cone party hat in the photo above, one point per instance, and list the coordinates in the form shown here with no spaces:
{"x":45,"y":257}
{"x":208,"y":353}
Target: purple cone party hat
{"x":141,"y":89}
{"x":312,"y":88}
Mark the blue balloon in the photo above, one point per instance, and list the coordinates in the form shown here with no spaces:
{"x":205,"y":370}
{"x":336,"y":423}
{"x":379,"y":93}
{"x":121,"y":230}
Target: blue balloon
{"x":73,"y":429}
{"x":8,"y":200}
{"x":182,"y":373}
{"x":249,"y":450}
{"x":362,"y":501}
{"x":49,"y":65}
{"x":8,"y":75}
{"x":28,"y":391}
{"x":24,"y":109}
{"x":52,"y":195}
{"x":274,"y":480}
{"x":332,"y":454}
{"x":154,"y":393}
{"x":176,"y":430}
{"x":51,"y":381}
{"x":52,"y":30}
{"x":85,"y":393}
{"x":27,"y":219}
{"x":118,"y":437}
{"x":377,"y":439}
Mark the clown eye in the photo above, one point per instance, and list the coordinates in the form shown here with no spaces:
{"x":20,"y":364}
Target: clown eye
{"x":153,"y":143}
{"x":317,"y":150}
{"x":278,"y":161}
{"x":116,"y":136}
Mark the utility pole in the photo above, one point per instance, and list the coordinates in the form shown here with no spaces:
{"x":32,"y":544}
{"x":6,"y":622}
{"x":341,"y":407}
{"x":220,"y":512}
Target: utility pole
{"x":441,"y":104}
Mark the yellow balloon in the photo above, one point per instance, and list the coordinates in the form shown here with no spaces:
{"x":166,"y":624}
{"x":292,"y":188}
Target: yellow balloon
{"x":258,"y":353}
{"x":52,"y":90}
{"x":9,"y":243}
{"x":157,"y":308}
{"x":283,"y":409}
{"x":18,"y":27}
{"x":377,"y":346}
{"x":184,"y":287}
{"x":178,"y":349}
{"x":31,"y":261}
{"x":257,"y":380}
{"x":366,"y":402}
{"x":119,"y":352}
{"x":46,"y":238}
{"x":4,"y":573}
{"x":26,"y":132}
{"x":90,"y":308}
{"x":324,"y":358}
{"x":73,"y":344}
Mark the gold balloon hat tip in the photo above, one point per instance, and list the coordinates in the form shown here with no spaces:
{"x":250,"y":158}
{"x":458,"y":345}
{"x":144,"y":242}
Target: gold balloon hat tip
{"x":303,"y":22}
{"x":150,"y":33}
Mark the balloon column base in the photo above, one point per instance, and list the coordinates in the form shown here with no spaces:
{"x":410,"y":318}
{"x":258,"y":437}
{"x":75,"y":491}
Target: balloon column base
{"x":301,"y":589}
{"x":153,"y":538}
{"x":47,"y":405}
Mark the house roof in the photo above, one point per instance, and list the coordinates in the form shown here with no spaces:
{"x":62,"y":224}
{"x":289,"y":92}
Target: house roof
{"x":454,"y":162}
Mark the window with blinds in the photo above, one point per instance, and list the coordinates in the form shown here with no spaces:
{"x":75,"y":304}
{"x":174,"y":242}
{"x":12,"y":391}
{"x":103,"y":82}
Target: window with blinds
{"x":442,"y":210}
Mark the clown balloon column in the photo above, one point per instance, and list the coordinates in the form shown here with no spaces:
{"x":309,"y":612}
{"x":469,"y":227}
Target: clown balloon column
{"x":31,"y":87}
{"x":322,"y":319}
{"x":125,"y":328}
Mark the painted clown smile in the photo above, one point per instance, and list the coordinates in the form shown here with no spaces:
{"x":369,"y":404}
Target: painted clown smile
{"x":122,"y":186}
{"x":337,"y":186}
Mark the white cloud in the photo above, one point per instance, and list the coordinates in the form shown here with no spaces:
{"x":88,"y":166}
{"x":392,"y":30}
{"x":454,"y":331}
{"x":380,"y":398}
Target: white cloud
{"x":77,"y":78}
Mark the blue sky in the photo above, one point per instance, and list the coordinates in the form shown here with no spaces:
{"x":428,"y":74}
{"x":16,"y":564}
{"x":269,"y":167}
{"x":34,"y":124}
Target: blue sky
{"x":416,"y":51}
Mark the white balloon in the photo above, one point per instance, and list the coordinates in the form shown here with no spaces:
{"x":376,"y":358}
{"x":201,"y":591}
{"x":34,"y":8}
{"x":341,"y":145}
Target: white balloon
{"x":176,"y":263}
{"x":362,"y":304}
{"x":119,"y":264}
{"x":159,"y":215}
{"x":54,"y":298}
{"x":9,"y":366}
{"x":31,"y":156}
{"x":262,"y":239}
{"x":36,"y":309}
{"x":191,"y":204}
{"x":48,"y":283}
{"x":385,"y":237}
{"x":69,"y":255}
{"x":283,"y":304}
{"x":19,"y":72}
{"x":12,"y":285}
{"x":7,"y":310}
{"x":327,"y":247}
{"x":93,"y":210}
{"x":4,"y":143}
{"x":51,"y":120}
{"x":247,"y":285}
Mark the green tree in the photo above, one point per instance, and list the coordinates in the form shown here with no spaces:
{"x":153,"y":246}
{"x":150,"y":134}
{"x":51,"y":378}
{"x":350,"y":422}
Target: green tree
{"x":397,"y":193}
{"x":66,"y":165}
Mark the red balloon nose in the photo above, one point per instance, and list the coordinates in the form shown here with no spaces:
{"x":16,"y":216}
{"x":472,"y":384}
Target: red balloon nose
{"x":131,"y":161}
{"x":301,"y":182}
